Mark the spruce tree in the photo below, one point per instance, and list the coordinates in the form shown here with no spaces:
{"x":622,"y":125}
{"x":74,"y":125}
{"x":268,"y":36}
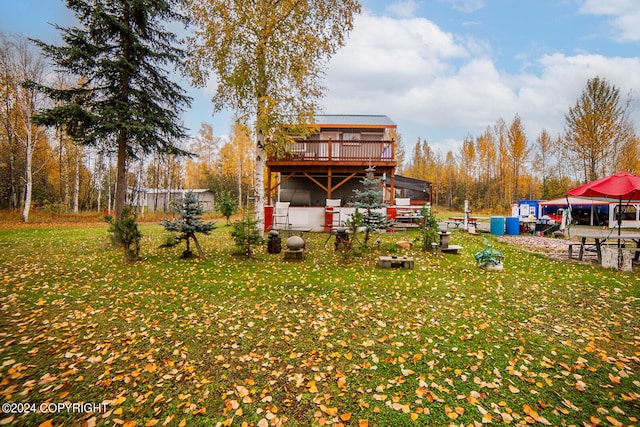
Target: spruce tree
{"x":120,"y":55}
{"x":189,"y":223}
{"x":370,"y":204}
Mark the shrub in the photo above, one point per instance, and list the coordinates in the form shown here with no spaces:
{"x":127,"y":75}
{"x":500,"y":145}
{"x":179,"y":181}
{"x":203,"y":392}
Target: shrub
{"x":126,"y":233}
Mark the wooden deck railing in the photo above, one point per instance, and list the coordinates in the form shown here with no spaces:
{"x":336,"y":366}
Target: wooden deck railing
{"x":337,"y":151}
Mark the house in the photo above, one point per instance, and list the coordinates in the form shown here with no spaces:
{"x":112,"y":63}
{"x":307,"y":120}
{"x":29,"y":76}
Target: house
{"x":162,"y":200}
{"x":329,"y":165}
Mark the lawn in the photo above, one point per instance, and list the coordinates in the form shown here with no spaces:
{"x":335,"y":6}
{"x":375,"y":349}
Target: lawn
{"x":332,"y":340}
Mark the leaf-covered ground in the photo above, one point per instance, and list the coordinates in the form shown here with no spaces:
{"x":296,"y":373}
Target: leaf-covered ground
{"x":331,"y":340}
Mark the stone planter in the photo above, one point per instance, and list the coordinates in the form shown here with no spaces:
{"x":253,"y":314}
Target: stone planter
{"x":494,"y":267}
{"x":617,"y":259}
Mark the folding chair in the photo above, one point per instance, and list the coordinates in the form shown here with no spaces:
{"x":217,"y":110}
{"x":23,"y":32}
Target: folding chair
{"x":332,"y":213}
{"x":403,"y":206}
{"x":281,"y":215}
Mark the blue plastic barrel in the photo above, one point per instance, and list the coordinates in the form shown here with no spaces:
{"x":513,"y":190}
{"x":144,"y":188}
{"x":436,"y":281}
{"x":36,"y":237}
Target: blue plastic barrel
{"x":497,"y":225}
{"x":513,"y":225}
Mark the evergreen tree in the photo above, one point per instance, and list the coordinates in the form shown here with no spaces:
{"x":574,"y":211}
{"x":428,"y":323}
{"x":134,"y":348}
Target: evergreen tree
{"x":126,"y":233}
{"x":226,"y":205}
{"x":120,"y":55}
{"x":189,"y":224}
{"x":369,"y":203}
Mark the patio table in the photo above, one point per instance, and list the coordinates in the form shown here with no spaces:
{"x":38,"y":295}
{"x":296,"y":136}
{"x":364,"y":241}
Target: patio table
{"x":600,"y":236}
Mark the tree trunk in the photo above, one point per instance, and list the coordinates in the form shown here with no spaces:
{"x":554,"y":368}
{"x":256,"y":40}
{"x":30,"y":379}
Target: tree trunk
{"x":167,"y":201}
{"x":259,"y":185}
{"x":195,"y":240}
{"x":99,"y":177}
{"x":28,"y":178}
{"x":12,"y":175}
{"x":60,"y":148}
{"x":121,"y":175}
{"x":109,"y":189}
{"x":76,"y":181}
{"x":239,"y":180}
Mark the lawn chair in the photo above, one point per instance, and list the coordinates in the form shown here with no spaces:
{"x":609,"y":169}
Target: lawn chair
{"x":403,"y":206}
{"x":332,"y":214}
{"x":281,"y":215}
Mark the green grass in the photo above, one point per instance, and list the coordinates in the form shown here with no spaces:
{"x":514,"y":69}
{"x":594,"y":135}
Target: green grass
{"x":330,"y":340}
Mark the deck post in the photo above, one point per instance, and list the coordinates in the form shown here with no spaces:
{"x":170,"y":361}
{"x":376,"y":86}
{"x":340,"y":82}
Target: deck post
{"x":268,"y":186}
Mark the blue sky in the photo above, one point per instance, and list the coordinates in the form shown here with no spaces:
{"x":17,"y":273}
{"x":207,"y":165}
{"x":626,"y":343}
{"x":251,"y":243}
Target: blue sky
{"x":445,"y":69}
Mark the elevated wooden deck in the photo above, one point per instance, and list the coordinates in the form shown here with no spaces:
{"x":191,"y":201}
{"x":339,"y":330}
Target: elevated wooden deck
{"x":337,"y":156}
{"x":331,"y":163}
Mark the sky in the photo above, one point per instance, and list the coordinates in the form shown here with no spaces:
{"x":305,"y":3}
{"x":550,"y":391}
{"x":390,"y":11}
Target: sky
{"x":444,"y":70}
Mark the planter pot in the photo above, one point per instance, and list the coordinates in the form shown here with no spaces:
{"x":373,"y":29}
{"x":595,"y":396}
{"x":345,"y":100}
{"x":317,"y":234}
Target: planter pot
{"x":494,"y":267}
{"x":617,"y":259}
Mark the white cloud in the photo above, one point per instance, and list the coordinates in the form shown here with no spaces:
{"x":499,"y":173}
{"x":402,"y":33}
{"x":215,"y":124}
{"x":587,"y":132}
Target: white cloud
{"x":625,"y":16}
{"x":467,"y":6}
{"x":439,"y":87}
{"x":403,"y":9}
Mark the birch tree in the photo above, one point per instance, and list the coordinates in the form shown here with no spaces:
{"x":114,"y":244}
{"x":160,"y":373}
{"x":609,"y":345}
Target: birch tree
{"x":9,"y":144}
{"x":29,"y":65}
{"x":268,"y":59}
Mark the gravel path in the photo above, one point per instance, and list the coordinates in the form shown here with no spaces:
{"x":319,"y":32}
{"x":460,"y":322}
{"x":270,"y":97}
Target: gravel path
{"x":552,"y":247}
{"x":546,"y":244}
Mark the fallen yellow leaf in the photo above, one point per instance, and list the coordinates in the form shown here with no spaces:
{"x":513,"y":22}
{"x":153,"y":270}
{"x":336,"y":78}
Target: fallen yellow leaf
{"x":613,"y":421}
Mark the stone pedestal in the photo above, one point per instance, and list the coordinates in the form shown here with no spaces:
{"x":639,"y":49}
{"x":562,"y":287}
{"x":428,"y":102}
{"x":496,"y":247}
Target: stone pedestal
{"x":294,"y":254}
{"x":444,"y":239}
{"x":618,"y":259}
{"x":395,"y":262}
{"x":295,"y":248}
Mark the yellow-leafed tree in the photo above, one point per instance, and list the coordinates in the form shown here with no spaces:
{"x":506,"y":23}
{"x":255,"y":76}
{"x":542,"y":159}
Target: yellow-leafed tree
{"x":595,"y":128}
{"x":268,"y":59}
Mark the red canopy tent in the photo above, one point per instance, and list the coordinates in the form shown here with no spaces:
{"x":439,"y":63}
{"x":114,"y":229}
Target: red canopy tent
{"x":616,"y":187}
{"x":619,"y":187}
